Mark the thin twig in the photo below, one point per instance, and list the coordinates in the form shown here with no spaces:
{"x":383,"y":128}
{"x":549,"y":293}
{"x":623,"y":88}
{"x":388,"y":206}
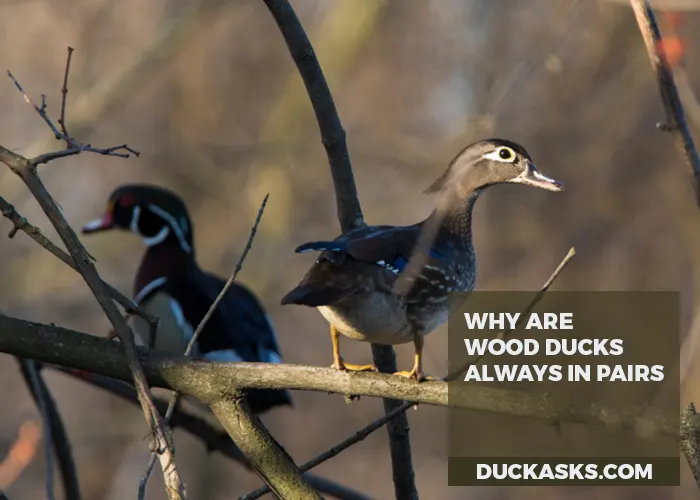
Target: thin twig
{"x":535,"y":300}
{"x":31,"y":374}
{"x":73,"y":147}
{"x":26,"y":170}
{"x":176,"y":395}
{"x":64,"y":94}
{"x":403,"y":407}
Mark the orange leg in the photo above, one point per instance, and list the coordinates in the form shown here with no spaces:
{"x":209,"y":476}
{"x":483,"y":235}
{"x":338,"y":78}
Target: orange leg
{"x":338,"y":362}
{"x":417,"y":372}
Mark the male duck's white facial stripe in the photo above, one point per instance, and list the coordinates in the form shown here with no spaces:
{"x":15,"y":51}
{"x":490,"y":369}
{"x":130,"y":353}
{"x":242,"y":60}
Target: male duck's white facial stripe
{"x":173,"y":224}
{"x":158,"y":238}
{"x":135,"y":214}
{"x":148,"y":240}
{"x":149,"y":288}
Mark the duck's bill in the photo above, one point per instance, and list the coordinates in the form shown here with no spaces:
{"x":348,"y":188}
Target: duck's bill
{"x":533,"y":177}
{"x":102,"y":224}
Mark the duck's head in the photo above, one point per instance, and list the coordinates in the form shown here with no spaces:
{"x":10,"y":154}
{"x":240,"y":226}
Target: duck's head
{"x":155,"y":214}
{"x":489,"y":162}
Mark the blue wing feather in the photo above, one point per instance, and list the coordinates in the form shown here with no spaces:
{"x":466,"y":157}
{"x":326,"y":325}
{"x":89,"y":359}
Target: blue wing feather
{"x":385,"y":246}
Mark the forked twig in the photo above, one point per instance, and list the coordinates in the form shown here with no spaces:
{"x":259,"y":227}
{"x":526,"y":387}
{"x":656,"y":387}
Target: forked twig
{"x":22,"y":224}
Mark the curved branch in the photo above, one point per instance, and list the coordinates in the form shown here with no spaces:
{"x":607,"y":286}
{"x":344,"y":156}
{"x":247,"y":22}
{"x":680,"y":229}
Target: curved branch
{"x":349,"y":215}
{"x":209,"y":381}
{"x":332,"y":133}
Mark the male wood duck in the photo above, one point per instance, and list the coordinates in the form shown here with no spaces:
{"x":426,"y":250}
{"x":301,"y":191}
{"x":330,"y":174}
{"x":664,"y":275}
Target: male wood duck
{"x":352,"y":283}
{"x":171,"y":286}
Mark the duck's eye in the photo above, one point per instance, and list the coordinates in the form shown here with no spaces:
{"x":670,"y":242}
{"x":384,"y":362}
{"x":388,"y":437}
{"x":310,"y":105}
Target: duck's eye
{"x":506,"y":154}
{"x":502,"y":154}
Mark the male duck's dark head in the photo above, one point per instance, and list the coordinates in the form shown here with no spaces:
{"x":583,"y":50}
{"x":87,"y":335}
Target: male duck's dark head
{"x":489,"y":162}
{"x":155,"y":214}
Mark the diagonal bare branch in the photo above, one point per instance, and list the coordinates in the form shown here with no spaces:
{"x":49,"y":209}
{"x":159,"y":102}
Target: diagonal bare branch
{"x":676,"y":121}
{"x":677,"y":124}
{"x":22,"y":224}
{"x":26,"y":170}
{"x":175,"y":396}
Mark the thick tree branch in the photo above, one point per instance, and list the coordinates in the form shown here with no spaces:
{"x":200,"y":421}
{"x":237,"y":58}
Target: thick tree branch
{"x":26,"y":170}
{"x":268,"y":458}
{"x":349,"y":214}
{"x":209,"y":381}
{"x":335,"y":450}
{"x":54,"y":423}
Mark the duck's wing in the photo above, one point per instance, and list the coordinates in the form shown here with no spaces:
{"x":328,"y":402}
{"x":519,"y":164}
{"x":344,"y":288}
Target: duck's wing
{"x":354,"y":263}
{"x":238,"y":330}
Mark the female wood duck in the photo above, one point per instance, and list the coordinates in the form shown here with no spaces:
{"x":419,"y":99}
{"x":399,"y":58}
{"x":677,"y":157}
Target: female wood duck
{"x":353,"y":281}
{"x":171,"y":286}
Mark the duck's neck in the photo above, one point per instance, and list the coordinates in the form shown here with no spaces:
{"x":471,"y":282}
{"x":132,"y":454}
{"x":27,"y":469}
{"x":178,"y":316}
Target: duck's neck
{"x":457,"y":219}
{"x":164,"y":260}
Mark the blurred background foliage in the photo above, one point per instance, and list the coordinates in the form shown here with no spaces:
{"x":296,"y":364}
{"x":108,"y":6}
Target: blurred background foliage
{"x":206,"y":90}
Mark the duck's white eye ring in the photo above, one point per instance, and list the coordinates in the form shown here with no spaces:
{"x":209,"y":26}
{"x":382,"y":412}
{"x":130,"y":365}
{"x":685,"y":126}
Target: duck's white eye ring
{"x":503,"y":154}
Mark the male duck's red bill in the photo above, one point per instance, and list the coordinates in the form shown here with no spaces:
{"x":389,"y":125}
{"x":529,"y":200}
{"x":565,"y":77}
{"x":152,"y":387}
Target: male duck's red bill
{"x":103,"y":223}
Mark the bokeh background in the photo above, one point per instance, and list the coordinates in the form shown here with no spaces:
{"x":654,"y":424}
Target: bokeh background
{"x":207,"y":92}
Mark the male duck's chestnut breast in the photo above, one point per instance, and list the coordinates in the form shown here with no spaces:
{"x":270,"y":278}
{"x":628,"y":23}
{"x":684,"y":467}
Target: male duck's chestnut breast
{"x":374,"y":317}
